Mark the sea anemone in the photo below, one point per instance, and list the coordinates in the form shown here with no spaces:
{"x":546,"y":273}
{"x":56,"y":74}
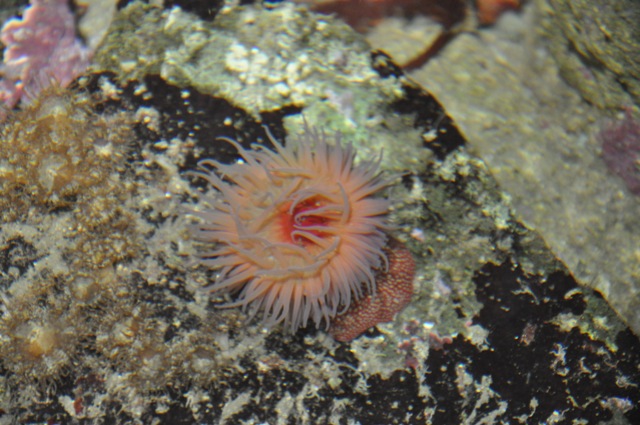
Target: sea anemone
{"x":298,"y":232}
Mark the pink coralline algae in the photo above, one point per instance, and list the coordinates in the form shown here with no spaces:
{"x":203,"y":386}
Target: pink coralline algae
{"x":621,"y":151}
{"x":393,"y":293}
{"x":40,"y":49}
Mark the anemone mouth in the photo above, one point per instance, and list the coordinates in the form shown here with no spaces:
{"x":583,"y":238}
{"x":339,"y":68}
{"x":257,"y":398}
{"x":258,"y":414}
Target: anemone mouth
{"x":298,"y":231}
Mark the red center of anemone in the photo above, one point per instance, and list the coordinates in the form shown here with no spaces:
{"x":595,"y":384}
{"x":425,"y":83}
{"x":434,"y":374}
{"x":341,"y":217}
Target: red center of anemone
{"x":301,"y":218}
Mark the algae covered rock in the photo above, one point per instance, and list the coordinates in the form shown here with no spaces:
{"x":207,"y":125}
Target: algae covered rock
{"x":597,"y":44}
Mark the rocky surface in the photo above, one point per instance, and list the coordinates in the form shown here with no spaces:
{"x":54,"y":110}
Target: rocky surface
{"x":542,"y":141}
{"x":103,"y":319}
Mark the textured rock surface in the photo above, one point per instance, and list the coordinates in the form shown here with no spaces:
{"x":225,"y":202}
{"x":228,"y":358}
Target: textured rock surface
{"x":597,"y":45}
{"x":541,"y":141}
{"x":498,"y":330}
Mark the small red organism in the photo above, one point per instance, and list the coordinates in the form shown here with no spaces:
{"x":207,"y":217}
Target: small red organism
{"x":78,"y":406}
{"x":408,"y":347}
{"x":437,"y":342}
{"x":393,"y":293}
{"x":621,"y":150}
{"x":488,"y":11}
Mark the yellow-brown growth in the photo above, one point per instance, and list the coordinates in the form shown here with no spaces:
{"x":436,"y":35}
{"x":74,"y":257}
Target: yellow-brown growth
{"x":63,"y":171}
{"x":40,"y":332}
{"x":59,"y":153}
{"x":54,"y":150}
{"x":85,"y":282}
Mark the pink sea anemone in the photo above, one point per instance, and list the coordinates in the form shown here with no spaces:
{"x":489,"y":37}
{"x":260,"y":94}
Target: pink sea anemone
{"x":298,"y":232}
